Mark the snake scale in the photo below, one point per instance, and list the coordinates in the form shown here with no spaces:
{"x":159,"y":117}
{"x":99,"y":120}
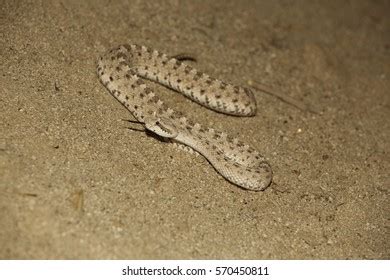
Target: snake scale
{"x":120,"y":70}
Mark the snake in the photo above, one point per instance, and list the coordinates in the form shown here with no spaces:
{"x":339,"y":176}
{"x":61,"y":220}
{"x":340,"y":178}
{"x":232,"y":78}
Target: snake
{"x":123,"y":71}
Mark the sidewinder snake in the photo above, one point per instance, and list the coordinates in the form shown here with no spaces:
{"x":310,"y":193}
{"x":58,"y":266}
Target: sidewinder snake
{"x":121,"y":69}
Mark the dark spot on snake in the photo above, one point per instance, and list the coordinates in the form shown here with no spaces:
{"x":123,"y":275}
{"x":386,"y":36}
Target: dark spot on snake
{"x":121,"y":55}
{"x":160,"y":110}
{"x":190,"y":122}
{"x":187,"y":69}
{"x":111,"y":79}
{"x":209,"y":81}
{"x":197,"y":76}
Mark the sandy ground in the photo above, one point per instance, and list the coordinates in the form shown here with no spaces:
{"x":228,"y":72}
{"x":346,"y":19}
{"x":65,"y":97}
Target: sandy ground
{"x":75,"y":183}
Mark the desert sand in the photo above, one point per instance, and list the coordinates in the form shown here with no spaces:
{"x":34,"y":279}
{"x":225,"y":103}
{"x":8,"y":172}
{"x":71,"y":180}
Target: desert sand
{"x":77,"y":184}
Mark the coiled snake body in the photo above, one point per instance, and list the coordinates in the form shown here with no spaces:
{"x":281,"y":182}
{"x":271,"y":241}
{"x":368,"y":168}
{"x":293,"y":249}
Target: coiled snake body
{"x":121,"y":69}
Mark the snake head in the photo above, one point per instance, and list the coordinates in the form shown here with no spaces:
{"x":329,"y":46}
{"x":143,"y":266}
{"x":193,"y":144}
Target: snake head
{"x":161,"y":127}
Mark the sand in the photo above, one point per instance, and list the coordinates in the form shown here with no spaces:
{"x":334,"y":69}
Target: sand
{"x":77,"y":184}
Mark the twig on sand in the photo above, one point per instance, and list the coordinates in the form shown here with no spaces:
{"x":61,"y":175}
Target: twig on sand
{"x":285,"y":98}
